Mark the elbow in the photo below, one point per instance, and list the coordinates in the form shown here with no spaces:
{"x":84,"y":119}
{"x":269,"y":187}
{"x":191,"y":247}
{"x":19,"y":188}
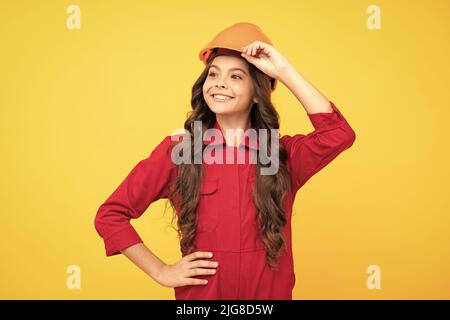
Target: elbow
{"x":351,"y":137}
{"x":99,"y":221}
{"x":348,"y":137}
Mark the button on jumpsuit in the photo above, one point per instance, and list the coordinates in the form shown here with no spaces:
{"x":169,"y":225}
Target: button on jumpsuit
{"x":226,"y":214}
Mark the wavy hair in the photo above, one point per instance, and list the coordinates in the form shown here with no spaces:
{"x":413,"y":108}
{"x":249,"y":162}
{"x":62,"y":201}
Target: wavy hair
{"x":270,"y":190}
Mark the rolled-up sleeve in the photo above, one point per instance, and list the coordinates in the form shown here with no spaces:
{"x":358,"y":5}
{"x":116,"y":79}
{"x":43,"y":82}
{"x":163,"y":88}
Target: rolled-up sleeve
{"x":147,"y":182}
{"x":309,"y":153}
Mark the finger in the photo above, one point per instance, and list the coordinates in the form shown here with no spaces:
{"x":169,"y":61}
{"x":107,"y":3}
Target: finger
{"x":263,"y":48}
{"x":198,"y":255}
{"x":251,"y":49}
{"x":203,"y":264}
{"x":200,"y":272}
{"x":249,"y":58}
{"x":258,"y":48}
{"x":267,"y":51}
{"x":196,"y":282}
{"x":261,"y":45}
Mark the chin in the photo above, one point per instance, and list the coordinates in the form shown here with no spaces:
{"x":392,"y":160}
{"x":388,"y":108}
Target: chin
{"x":221,"y":111}
{"x":218,"y":109}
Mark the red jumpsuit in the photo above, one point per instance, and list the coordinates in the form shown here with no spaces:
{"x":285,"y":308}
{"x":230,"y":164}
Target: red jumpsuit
{"x":226,"y":216}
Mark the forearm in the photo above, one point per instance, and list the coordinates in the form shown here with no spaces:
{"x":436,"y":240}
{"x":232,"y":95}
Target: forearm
{"x":310,"y":98}
{"x":146,"y":260}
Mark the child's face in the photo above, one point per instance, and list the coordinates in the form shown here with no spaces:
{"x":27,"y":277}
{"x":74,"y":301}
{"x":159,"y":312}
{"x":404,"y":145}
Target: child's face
{"x":224,"y":79}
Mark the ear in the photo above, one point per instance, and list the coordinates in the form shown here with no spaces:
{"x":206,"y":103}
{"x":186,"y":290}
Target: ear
{"x":255,"y":100}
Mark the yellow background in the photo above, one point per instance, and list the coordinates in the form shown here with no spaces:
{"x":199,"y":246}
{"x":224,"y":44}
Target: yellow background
{"x":79,"y":108}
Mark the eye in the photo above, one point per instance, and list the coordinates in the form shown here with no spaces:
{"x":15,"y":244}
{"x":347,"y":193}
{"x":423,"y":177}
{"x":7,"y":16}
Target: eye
{"x":211,"y":74}
{"x":235,"y":75}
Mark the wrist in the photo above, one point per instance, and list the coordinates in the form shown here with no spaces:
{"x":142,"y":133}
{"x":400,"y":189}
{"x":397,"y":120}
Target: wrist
{"x":158,"y":271}
{"x":287,"y":75}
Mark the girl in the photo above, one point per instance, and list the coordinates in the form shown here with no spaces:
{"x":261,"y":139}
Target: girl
{"x":234,"y":223}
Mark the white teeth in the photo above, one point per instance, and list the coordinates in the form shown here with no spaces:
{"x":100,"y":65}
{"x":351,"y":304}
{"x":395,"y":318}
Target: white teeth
{"x":220,"y":97}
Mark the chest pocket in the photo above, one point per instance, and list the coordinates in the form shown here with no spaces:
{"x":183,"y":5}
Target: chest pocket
{"x":208,"y":206}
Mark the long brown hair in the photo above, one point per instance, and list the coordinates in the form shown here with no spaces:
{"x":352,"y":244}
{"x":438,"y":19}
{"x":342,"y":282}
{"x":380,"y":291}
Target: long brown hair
{"x":270,"y":190}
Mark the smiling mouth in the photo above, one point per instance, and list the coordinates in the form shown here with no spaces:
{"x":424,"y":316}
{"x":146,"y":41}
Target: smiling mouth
{"x":221,"y":97}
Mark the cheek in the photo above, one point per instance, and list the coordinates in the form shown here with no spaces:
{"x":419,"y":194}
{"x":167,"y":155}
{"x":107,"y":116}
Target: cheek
{"x":242,"y":87}
{"x":207,"y":85}
{"x":243,"y":93}
{"x":204,"y":88}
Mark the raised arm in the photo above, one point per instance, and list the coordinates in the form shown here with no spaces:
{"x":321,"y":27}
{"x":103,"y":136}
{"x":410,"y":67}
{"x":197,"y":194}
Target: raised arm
{"x":332,"y":134}
{"x":309,"y":153}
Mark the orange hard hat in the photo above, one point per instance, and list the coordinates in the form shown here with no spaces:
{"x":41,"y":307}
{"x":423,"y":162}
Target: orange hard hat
{"x":235,"y":37}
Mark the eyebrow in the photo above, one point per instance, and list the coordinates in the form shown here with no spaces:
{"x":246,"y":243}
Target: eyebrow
{"x":239,"y":69}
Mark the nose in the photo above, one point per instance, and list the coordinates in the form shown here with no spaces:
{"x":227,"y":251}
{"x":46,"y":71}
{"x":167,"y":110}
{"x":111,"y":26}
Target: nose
{"x":220,"y":83}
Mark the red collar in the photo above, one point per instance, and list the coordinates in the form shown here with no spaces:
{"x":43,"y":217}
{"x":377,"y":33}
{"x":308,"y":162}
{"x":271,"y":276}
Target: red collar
{"x":246,"y":141}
